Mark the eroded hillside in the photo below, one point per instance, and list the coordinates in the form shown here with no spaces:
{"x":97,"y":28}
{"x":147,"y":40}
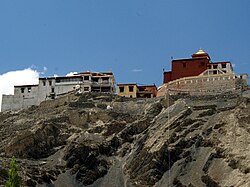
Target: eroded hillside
{"x":78,"y":141}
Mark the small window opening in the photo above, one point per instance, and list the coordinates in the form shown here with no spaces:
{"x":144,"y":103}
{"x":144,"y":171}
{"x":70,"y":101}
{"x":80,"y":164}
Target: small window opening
{"x":121,"y":89}
{"x":131,"y":88}
{"x":86,"y":78}
{"x":44,"y":83}
{"x":50,"y":83}
{"x":223,"y":65}
{"x":53,"y":90}
{"x":95,"y":79}
{"x":215,"y":66}
{"x":22,"y":90}
{"x":29,"y":90}
{"x":214,"y":72}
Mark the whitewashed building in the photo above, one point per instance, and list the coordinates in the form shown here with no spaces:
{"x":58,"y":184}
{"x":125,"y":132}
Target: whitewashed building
{"x":52,"y":87}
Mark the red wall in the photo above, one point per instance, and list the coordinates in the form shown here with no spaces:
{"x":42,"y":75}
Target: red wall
{"x":186,"y":68}
{"x":167,"y":77}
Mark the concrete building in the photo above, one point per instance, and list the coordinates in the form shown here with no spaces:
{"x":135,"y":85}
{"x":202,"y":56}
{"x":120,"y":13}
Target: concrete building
{"x":199,"y":75}
{"x":52,"y":87}
{"x":136,"y":91}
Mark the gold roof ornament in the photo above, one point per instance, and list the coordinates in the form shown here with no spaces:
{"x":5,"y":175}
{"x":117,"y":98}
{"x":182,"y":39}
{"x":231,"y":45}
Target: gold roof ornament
{"x":200,"y":51}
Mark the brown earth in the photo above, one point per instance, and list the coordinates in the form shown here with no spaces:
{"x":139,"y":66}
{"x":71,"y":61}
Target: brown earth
{"x":172,"y":141}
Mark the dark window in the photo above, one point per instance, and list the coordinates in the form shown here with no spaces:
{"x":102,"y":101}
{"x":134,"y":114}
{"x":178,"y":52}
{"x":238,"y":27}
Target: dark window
{"x":86,"y":89}
{"x":58,"y":80}
{"x":52,"y":89}
{"x":105,"y":78}
{"x":215,"y":66}
{"x":22,"y":90}
{"x":50,"y":83}
{"x":215,"y":72}
{"x":121,"y":89}
{"x":131,"y":88}
{"x":44,"y":83}
{"x":95,"y":79}
{"x":184,"y":65}
{"x":29,"y":90}
{"x":86,"y":78}
{"x":209,"y":66}
{"x":223,"y":65}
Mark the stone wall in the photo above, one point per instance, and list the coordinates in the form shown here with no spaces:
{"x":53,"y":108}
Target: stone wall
{"x":201,"y":85}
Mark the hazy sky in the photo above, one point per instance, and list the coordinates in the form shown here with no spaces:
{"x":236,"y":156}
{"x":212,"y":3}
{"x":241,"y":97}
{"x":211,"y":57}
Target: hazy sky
{"x":134,"y":38}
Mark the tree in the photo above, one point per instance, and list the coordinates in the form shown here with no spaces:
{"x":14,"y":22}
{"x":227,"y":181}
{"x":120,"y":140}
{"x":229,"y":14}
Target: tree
{"x":13,"y":179}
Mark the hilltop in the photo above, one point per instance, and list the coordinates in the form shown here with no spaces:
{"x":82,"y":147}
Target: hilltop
{"x":105,"y":140}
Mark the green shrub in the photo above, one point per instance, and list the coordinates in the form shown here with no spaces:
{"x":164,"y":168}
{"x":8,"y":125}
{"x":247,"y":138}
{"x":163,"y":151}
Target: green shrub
{"x":13,"y":179}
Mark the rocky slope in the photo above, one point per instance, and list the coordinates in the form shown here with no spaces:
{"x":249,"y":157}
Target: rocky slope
{"x":177,"y":141}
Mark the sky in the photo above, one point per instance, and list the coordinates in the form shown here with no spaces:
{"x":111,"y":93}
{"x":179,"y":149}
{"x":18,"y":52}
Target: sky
{"x":135,"y":39}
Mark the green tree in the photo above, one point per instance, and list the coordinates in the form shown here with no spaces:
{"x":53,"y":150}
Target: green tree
{"x":13,"y":179}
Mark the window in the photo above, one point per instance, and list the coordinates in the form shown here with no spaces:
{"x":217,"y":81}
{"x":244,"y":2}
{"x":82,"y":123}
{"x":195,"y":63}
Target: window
{"x":184,"y":65}
{"x":29,"y":90}
{"x":131,"y":88}
{"x":53,"y":90}
{"x":209,"y":66}
{"x":95,"y":79}
{"x":86,"y":89}
{"x":215,"y":66}
{"x":121,"y":89}
{"x":223,"y":65}
{"x":86,"y":78}
{"x":44,"y":83}
{"x":22,"y":90}
{"x":215,"y":72}
{"x":50,"y":83}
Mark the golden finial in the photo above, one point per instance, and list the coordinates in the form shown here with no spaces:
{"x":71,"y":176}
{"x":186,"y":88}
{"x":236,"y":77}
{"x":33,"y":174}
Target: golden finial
{"x":200,"y":51}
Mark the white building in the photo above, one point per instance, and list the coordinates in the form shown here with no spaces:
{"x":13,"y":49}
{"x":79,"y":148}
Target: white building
{"x":52,"y":87}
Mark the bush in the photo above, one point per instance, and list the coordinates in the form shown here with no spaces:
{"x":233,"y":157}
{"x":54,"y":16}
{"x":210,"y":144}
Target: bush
{"x":13,"y":179}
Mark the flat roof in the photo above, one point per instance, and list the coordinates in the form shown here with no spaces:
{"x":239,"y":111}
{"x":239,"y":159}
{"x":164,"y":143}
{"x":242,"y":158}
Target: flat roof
{"x":223,"y":62}
{"x":96,"y":73}
{"x":126,"y":84}
{"x":61,"y":77}
{"x":21,"y":86}
{"x":147,"y":86}
{"x":189,"y":59}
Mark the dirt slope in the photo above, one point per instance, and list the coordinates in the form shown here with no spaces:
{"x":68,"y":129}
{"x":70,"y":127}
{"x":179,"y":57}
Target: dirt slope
{"x":176,"y":141}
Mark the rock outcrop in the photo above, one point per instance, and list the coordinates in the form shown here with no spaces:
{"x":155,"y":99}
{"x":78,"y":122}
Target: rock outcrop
{"x":99,"y":140}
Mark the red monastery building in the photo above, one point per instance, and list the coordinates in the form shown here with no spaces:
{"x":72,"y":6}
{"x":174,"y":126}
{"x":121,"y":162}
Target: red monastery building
{"x":199,"y":74}
{"x":195,"y":66}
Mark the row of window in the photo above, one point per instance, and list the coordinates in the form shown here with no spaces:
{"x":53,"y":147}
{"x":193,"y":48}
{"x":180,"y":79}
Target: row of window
{"x":105,"y":80}
{"x":215,"y":66}
{"x":130,"y":89}
{"x":68,"y":80}
{"x":44,"y":83}
{"x":23,"y":89}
